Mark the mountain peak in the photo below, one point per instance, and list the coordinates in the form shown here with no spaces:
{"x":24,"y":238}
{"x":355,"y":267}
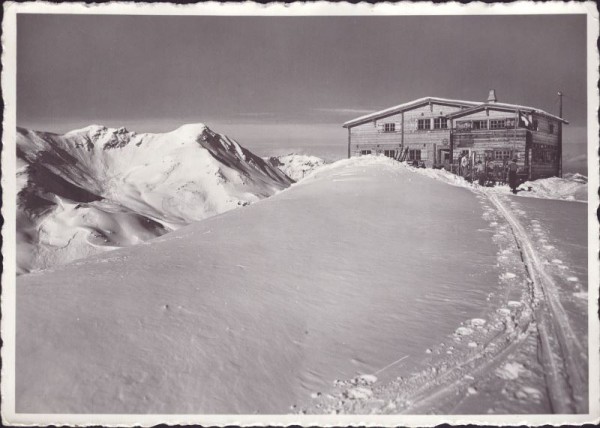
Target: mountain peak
{"x":90,"y":129}
{"x":191,"y":130}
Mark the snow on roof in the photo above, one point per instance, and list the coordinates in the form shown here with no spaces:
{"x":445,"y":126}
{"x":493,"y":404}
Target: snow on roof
{"x":507,"y":106}
{"x":404,"y":106}
{"x":473,"y":106}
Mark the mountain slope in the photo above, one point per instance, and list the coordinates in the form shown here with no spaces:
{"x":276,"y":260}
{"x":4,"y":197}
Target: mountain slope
{"x":98,"y":188}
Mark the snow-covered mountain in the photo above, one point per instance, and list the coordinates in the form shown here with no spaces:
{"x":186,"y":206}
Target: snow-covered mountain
{"x":98,"y":188}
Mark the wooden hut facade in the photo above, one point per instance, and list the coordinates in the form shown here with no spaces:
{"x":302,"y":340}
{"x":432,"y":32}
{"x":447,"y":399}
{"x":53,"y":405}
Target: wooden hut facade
{"x":439,"y":131}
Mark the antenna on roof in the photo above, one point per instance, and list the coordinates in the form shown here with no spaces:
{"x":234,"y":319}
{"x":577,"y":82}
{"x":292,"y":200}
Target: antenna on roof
{"x":560,"y":95}
{"x":492,"y":96}
{"x":560,"y":113}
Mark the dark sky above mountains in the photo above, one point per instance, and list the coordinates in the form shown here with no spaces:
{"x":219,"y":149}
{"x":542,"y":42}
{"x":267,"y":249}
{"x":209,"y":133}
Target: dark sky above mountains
{"x":284,"y":80}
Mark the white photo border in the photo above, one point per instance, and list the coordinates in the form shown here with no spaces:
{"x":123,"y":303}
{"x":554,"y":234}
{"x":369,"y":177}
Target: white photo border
{"x":8,"y":183}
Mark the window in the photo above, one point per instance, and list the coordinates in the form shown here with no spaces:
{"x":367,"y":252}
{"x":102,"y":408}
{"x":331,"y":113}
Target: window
{"x":423,"y":124}
{"x":440,"y":123}
{"x":534,"y":125}
{"x":365,"y":152}
{"x":389,"y":127}
{"x":497,"y":123}
{"x":502,"y":154}
{"x":480,"y":124}
{"x":551,"y":130}
{"x":414,"y":154}
{"x":463,"y":125}
{"x":389,"y":153}
{"x":543,"y":153}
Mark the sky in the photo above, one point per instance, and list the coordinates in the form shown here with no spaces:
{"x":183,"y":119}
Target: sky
{"x":282,"y":84}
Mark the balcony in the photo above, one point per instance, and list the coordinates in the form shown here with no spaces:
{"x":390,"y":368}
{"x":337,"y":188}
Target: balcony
{"x":467,"y":137}
{"x":484,"y":133}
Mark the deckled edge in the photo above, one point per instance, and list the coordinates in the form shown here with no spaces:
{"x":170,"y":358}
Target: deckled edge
{"x":8,"y":182}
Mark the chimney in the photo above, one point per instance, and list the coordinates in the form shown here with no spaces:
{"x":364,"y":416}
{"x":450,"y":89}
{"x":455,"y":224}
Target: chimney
{"x":492,"y":96}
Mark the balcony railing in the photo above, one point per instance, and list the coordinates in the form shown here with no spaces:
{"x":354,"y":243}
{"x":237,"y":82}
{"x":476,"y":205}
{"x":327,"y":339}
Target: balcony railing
{"x":496,"y":130}
{"x":485,"y":133}
{"x":456,"y":131}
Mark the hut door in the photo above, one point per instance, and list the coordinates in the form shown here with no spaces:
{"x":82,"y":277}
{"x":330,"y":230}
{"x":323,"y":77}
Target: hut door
{"x":444,"y":156}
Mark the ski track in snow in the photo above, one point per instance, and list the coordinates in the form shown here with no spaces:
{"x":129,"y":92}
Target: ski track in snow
{"x":542,"y":324}
{"x":566,"y":376}
{"x":478,"y":347}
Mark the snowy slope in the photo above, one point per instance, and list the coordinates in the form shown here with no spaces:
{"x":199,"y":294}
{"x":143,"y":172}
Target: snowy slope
{"x":530,"y":355}
{"x":257,"y":309}
{"x":327,"y":297}
{"x":99,"y":188}
{"x":296,"y":166}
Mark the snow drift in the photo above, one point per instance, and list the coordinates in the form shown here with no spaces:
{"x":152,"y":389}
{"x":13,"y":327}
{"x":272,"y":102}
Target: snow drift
{"x":98,"y":188}
{"x":571,"y":187}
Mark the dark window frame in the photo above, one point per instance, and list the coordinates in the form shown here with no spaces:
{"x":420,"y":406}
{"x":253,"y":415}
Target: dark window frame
{"x":423,"y":124}
{"x":414,"y":154}
{"x":497,"y":123}
{"x":477,"y":124}
{"x":502,"y":154}
{"x":462,"y":125}
{"x":544,"y":154}
{"x":440,"y":123}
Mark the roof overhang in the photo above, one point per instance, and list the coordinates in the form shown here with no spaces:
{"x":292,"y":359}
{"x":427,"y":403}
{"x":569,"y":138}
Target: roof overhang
{"x":504,"y":107}
{"x":382,"y":114}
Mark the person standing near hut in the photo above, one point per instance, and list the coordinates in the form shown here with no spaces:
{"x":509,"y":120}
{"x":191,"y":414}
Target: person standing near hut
{"x":512,"y":175}
{"x":504,"y":172}
{"x":490,"y":169}
{"x":464,"y":161}
{"x":480,"y":168}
